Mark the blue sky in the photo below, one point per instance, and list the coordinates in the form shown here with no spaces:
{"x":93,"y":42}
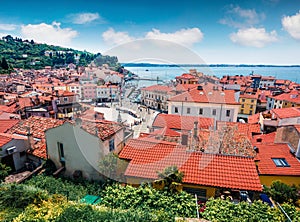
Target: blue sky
{"x":229,"y":32}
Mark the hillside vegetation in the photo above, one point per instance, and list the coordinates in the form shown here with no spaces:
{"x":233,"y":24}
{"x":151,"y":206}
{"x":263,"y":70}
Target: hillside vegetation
{"x":27,"y":54}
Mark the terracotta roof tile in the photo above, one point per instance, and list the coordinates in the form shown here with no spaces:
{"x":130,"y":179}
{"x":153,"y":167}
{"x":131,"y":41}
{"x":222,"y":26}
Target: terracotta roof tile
{"x":283,"y":113}
{"x":162,"y":88}
{"x":207,"y":95}
{"x":264,"y":138}
{"x":7,"y":124}
{"x":178,"y":122}
{"x":104,"y":129}
{"x":4,"y":140}
{"x":266,"y":165}
{"x":199,"y":168}
{"x":37,"y":126}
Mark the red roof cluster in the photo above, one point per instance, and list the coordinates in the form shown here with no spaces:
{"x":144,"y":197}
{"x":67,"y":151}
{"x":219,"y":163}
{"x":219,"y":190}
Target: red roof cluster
{"x":149,"y":156}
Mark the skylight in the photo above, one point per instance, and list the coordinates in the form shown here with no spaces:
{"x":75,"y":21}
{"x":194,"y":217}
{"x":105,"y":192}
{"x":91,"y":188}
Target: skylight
{"x":280,"y":162}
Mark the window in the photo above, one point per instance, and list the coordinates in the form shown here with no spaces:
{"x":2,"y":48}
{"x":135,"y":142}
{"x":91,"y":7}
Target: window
{"x":242,"y":111}
{"x":280,"y":162}
{"x":176,"y":110}
{"x":251,"y":106}
{"x":243,"y":100}
{"x":252,"y":100}
{"x":65,"y":99}
{"x":228,"y":113}
{"x":200,"y":111}
{"x":250,"y":112}
{"x":280,"y":102}
{"x":214,"y":112}
{"x":61,"y":152}
{"x":111,"y":145}
{"x":243,"y":105}
{"x":188,"y":110}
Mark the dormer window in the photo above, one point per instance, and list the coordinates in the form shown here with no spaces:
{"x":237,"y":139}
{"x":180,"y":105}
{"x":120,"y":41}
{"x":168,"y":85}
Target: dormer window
{"x":280,"y":162}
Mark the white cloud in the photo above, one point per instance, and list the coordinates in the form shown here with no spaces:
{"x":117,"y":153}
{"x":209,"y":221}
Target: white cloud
{"x":84,"y":18}
{"x":292,"y":25}
{"x":241,"y":18}
{"x":183,"y":36}
{"x":256,"y":37}
{"x":8,"y":27}
{"x":115,"y":38}
{"x":46,"y":33}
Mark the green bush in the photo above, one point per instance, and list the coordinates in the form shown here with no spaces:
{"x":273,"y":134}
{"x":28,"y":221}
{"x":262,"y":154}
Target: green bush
{"x":149,"y":200}
{"x":225,"y":210}
{"x":281,"y":192}
{"x":70,"y":189}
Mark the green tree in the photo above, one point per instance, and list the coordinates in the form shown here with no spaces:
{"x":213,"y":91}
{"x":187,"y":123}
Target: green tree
{"x":4,"y":64}
{"x":171,"y":178}
{"x":281,"y":192}
{"x":4,"y":171}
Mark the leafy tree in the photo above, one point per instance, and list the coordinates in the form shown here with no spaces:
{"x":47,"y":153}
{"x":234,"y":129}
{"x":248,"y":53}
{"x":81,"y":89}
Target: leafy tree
{"x":281,"y":192}
{"x":4,"y":171}
{"x":4,"y":64}
{"x":171,"y":178}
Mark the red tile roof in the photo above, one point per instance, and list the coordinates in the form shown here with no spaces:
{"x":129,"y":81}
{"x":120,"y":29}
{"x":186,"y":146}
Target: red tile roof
{"x":7,"y":124}
{"x":4,"y":140}
{"x":286,"y":112}
{"x":166,"y":132}
{"x":292,"y":96}
{"x":254,"y":118}
{"x":207,"y":95}
{"x":148,"y":157}
{"x":246,"y":129}
{"x":173,"y":121}
{"x":161,"y":88}
{"x":249,"y":96}
{"x":186,"y":76}
{"x":264,"y":138}
{"x":104,"y":128}
{"x":37,"y":126}
{"x":297,"y":127}
{"x":266,"y":166}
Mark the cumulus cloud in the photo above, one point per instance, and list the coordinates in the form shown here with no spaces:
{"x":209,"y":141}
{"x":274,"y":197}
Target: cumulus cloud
{"x":115,"y":38}
{"x":49,"y":33}
{"x":183,"y":36}
{"x":8,"y":27}
{"x":84,"y":18}
{"x":241,"y":18}
{"x":256,"y":37}
{"x":292,"y":25}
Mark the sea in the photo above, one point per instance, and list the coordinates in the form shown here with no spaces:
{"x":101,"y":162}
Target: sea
{"x":167,"y":73}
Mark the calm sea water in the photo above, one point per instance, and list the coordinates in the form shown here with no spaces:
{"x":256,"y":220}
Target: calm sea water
{"x":168,"y":73}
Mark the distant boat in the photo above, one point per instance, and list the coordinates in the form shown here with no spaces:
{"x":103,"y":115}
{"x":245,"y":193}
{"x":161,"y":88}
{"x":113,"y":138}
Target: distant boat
{"x":147,"y":70}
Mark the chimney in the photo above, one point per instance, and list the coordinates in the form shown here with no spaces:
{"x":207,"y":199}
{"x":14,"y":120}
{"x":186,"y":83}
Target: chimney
{"x":195,"y":130}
